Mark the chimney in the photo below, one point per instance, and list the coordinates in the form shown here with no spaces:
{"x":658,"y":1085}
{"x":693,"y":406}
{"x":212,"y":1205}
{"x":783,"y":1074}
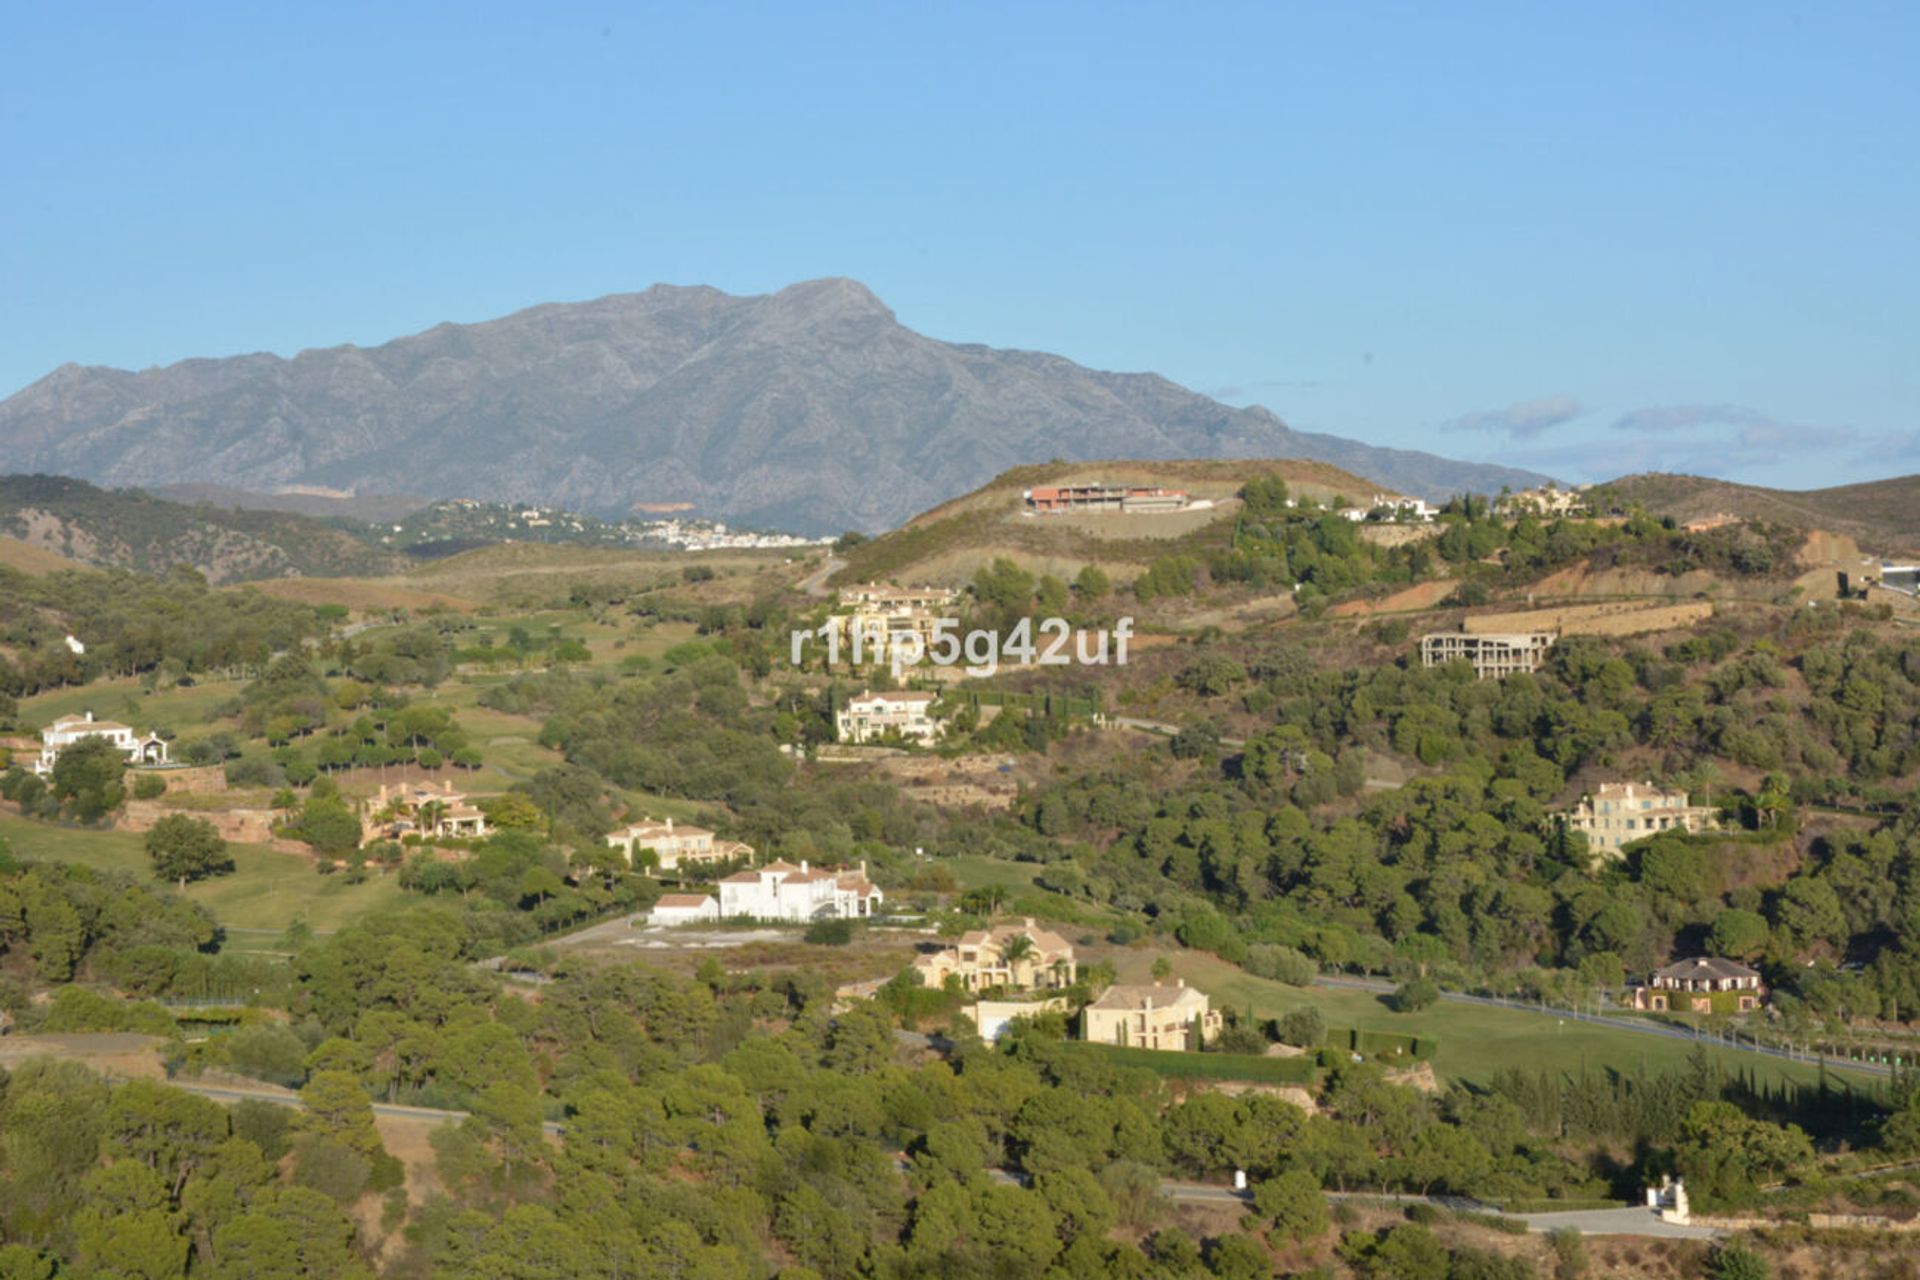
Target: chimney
{"x":803,"y":866}
{"x":669,"y":826}
{"x":1179,"y":982}
{"x":89,"y":715}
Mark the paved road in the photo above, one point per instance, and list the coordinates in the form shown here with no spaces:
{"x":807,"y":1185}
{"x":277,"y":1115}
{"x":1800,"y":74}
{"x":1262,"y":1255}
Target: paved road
{"x":1636,"y":1026}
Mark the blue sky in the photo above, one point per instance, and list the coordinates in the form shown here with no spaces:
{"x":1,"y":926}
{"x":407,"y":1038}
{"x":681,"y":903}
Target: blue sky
{"x":1588,"y":239}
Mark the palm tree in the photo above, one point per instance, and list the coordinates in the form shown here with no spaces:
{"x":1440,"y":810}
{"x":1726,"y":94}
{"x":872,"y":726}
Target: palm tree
{"x":1015,"y":949}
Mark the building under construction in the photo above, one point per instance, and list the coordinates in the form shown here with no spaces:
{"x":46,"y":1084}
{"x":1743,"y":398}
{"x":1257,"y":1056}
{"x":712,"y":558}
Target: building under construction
{"x":1492,"y":656}
{"x":1139,"y":499}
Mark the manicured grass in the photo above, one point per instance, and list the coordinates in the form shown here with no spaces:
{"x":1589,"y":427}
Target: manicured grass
{"x":1474,"y":1041}
{"x":976,"y":872}
{"x":266,"y":891}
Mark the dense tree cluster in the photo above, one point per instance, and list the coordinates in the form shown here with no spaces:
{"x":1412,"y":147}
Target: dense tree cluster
{"x":130,"y":625}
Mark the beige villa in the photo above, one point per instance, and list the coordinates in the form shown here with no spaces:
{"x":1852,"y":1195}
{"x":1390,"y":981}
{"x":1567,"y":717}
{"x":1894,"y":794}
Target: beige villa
{"x":675,"y":846}
{"x":997,"y":957}
{"x":1151,"y":1017}
{"x":415,"y":808}
{"x":1618,"y":813}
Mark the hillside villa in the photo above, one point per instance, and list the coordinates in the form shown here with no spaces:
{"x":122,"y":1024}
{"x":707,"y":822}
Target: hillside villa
{"x":1619,"y":813}
{"x":870,"y":716}
{"x":1151,"y":1017}
{"x":417,"y":808}
{"x":987,"y":958}
{"x":782,"y":891}
{"x":67,"y":730}
{"x":1690,"y":986}
{"x":675,"y":846}
{"x":1130,"y":498}
{"x":890,"y":621}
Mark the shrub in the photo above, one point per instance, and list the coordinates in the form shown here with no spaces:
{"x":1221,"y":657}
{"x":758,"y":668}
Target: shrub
{"x":1282,"y":964}
{"x":1414,"y":995}
{"x":149,"y":786}
{"x":830,"y":933}
{"x":1305,"y":1027}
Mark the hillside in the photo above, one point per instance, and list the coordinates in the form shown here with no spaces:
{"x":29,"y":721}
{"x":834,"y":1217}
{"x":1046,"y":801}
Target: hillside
{"x":811,"y":409}
{"x":947,"y":544}
{"x":129,"y":529}
{"x":1881,"y":514}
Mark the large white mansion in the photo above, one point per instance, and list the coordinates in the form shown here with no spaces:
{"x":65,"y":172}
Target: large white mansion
{"x":778,"y":891}
{"x":67,"y":730}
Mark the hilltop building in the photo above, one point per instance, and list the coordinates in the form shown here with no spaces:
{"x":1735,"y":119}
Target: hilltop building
{"x":1493,"y":656}
{"x":1622,"y":812}
{"x":986,"y":958}
{"x":1691,"y":985}
{"x":1155,"y":1017}
{"x":870,"y":716}
{"x":1132,"y":499}
{"x":675,"y":846}
{"x":67,"y":730}
{"x":782,"y":891}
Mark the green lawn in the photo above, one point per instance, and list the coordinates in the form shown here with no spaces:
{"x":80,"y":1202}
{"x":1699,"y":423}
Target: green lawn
{"x":266,"y":891}
{"x":1474,"y":1041}
{"x":177,"y":709}
{"x":976,"y":872}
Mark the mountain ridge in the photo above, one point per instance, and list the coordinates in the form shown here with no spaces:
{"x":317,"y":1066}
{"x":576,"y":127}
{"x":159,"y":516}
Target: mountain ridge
{"x":811,"y":408}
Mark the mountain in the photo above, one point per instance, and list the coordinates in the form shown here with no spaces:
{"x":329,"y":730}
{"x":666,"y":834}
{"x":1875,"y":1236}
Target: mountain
{"x":1881,"y":514}
{"x":127,"y":529}
{"x":811,"y":409}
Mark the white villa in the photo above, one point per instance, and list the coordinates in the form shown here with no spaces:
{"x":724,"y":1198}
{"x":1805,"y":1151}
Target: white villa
{"x":869,"y":716}
{"x":674,"y":846}
{"x":67,"y":730}
{"x":782,"y":891}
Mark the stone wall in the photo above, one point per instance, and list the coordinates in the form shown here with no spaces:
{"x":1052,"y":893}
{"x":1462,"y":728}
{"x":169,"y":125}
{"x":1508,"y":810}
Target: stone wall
{"x":237,"y":826}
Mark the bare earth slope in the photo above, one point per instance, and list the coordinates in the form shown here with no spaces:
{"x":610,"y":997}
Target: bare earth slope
{"x":811,"y":408}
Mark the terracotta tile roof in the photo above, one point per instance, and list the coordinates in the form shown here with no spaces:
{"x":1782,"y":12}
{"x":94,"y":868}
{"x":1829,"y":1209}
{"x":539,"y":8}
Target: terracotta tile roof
{"x":682,"y":900}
